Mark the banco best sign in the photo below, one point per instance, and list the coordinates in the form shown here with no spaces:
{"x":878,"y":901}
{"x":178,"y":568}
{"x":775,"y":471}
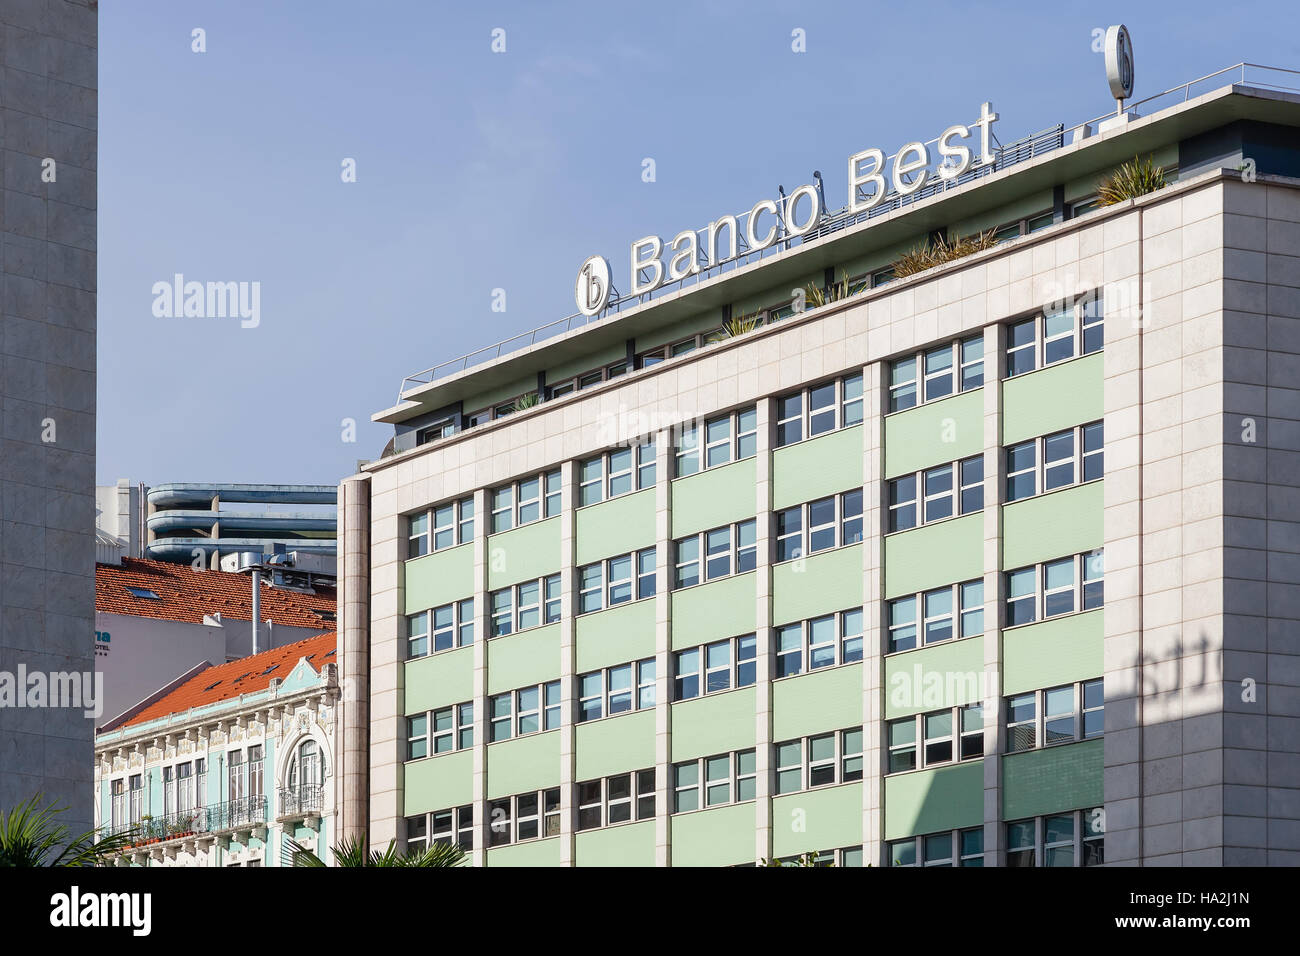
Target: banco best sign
{"x":651,"y":263}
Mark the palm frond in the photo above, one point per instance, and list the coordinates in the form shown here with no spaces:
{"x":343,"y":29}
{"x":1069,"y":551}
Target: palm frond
{"x":1137,"y":178}
{"x":30,"y":836}
{"x":928,"y":256}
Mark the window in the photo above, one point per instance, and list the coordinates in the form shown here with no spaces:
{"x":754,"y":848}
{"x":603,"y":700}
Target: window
{"x":818,"y":409}
{"x":725,"y":438}
{"x":144,"y":593}
{"x":1067,"y":457}
{"x":819,"y":761}
{"x":819,"y":525}
{"x":234,"y":776}
{"x":944,"y":370}
{"x":823,"y":641}
{"x":118,"y":803}
{"x":521,"y":712}
{"x":939,"y":498}
{"x":715,"y":667}
{"x":451,"y":728}
{"x":727,"y":778}
{"x":732,"y":549}
{"x":610,"y":691}
{"x":452,"y":626}
{"x":615,"y":473}
{"x":945,"y":613}
{"x":454,"y":826}
{"x":1054,"y":588}
{"x":1056,"y":715}
{"x":452,"y":523}
{"x":256,"y":777}
{"x":615,"y":581}
{"x":184,"y":787}
{"x":525,"y":501}
{"x":622,"y":798}
{"x":526,"y":816}
{"x":940,"y":849}
{"x":1056,"y":334}
{"x":951,"y":734}
{"x":1072,"y":838}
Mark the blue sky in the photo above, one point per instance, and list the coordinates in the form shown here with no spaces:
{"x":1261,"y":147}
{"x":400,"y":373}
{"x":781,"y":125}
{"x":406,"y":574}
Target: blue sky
{"x":478,"y":171}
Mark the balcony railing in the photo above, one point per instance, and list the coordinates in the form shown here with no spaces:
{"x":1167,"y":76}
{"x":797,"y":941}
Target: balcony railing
{"x":299,"y":801}
{"x":199,"y":821}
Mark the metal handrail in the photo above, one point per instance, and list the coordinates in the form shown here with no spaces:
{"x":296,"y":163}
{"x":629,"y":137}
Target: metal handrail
{"x":832,"y":222}
{"x":307,"y":798}
{"x":244,"y":811}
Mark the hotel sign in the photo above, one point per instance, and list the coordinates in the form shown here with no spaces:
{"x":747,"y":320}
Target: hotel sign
{"x":652,"y":262}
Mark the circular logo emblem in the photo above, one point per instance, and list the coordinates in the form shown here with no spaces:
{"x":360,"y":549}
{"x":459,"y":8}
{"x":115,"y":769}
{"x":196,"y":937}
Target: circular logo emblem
{"x":1119,"y":62}
{"x":591,"y":291}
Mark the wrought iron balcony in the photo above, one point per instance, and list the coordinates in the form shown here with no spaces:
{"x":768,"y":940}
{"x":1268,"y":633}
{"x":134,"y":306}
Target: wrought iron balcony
{"x":301,"y":801}
{"x":199,"y":821}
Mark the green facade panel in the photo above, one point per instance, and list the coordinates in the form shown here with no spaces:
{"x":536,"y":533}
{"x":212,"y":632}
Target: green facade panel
{"x":709,"y":612}
{"x":631,"y":844}
{"x":934,"y":677}
{"x":436,"y":783}
{"x":1064,"y":777}
{"x":946,"y":552}
{"x":1060,"y":650}
{"x":615,"y":636}
{"x":530,"y":853}
{"x":813,"y":820}
{"x":523,"y":554}
{"x":438,"y":578}
{"x":714,"y":724}
{"x":1053,"y":525}
{"x":528,"y":657}
{"x":714,"y":497}
{"x":928,"y":801}
{"x":818,"y":584}
{"x":723,"y":836}
{"x":523,"y":764}
{"x":816,"y":468}
{"x":1051,"y":399}
{"x":934,"y":433}
{"x":825,"y":699}
{"x":438,"y":680}
{"x":614,"y":745}
{"x":618,"y":526}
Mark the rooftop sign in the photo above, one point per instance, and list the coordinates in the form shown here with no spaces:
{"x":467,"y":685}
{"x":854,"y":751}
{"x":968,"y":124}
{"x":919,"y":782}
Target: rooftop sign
{"x":769,"y":221}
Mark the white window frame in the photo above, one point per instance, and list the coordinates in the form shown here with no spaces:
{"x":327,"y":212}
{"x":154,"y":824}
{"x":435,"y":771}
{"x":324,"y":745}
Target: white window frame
{"x":741,"y":441}
{"x":846,"y":393}
{"x":1080,"y":313}
{"x":919,"y":376}
{"x":1083,"y":573}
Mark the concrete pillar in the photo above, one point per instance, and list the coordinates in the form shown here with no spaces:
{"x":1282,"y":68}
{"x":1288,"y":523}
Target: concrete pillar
{"x":664,"y":460}
{"x":875,"y":400}
{"x":994,"y":705}
{"x":352,"y":775}
{"x":765,"y":773}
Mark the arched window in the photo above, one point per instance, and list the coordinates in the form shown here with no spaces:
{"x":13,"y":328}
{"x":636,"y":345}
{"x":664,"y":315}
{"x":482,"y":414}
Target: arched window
{"x":307,"y":768}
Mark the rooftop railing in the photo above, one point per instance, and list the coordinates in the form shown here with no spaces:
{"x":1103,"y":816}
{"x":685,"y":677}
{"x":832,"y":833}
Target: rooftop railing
{"x":1246,"y":74}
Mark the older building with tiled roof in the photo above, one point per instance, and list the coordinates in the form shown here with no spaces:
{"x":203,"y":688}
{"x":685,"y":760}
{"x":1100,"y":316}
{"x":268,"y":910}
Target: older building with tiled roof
{"x":229,"y":764}
{"x":155,"y":620}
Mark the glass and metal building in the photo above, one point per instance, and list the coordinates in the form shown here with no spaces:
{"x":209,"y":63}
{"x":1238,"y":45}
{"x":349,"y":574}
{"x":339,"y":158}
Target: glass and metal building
{"x":992,"y":564}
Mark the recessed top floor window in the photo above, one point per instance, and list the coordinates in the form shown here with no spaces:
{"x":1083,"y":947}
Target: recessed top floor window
{"x":439,"y":429}
{"x":617,"y":472}
{"x":1055,"y":335}
{"x":1023,"y":227}
{"x":936,"y":493}
{"x":442,"y":526}
{"x":818,"y":525}
{"x":673,"y":349}
{"x":525,"y":501}
{"x":1058,"y":460}
{"x":818,"y":409}
{"x":723,"y":439}
{"x":617,"y":580}
{"x":935,"y":373}
{"x":1053,"y":588}
{"x":568,"y":386}
{"x":1056,"y":715}
{"x":717,"y":553}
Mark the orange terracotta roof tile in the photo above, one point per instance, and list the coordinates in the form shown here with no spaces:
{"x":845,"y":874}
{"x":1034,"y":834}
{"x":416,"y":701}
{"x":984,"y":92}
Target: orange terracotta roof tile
{"x":244,"y":676}
{"x":184,"y":594}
